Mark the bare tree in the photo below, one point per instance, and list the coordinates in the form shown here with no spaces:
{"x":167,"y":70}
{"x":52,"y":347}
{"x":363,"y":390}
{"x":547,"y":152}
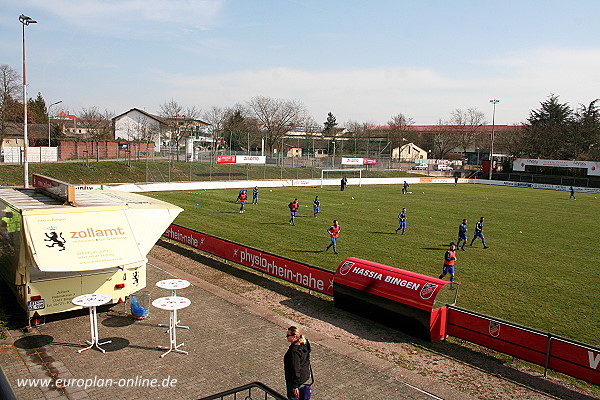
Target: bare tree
{"x":180,"y":121}
{"x":361,"y":133}
{"x":216,"y":117}
{"x":468,"y":126}
{"x":399,"y":130}
{"x":97,"y":125}
{"x":276,"y":116}
{"x":443,"y":140}
{"x":9,"y":92}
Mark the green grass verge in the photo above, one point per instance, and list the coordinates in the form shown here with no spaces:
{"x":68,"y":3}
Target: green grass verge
{"x":540,"y":269}
{"x":163,"y":171}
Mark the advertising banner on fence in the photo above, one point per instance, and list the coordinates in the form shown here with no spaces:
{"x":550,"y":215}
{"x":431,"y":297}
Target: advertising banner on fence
{"x":562,"y":355}
{"x":358,"y":161}
{"x":305,"y":275}
{"x":593,"y":168}
{"x":241,"y":159}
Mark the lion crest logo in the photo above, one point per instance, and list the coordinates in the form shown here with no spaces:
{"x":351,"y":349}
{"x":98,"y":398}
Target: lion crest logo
{"x":56,"y":239}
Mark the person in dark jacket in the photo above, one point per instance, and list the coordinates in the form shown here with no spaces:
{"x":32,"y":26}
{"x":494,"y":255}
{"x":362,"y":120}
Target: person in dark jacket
{"x":296,"y":362}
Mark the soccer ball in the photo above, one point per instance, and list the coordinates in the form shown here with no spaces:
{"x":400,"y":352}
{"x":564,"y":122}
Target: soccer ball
{"x":520,"y":231}
{"x":270,"y":190}
{"x":353,"y":198}
{"x":423,"y":192}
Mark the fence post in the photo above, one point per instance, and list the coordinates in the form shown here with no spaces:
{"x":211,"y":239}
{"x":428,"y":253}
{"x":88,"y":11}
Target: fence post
{"x":547,"y":355}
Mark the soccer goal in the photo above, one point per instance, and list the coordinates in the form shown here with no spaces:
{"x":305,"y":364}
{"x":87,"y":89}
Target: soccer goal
{"x":340,"y":173}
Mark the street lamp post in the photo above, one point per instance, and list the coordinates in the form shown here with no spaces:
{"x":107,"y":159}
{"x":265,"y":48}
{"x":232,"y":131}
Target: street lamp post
{"x":333,"y":159}
{"x":494,"y":102}
{"x":48,"y":112}
{"x":25,"y":20}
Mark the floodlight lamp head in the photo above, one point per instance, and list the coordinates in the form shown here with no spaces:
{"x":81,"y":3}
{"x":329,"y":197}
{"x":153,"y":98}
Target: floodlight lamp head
{"x":25,"y":20}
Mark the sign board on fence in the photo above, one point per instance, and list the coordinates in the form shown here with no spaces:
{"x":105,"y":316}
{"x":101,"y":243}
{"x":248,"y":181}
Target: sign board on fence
{"x":593,"y":168}
{"x":358,"y":161}
{"x":241,"y":159}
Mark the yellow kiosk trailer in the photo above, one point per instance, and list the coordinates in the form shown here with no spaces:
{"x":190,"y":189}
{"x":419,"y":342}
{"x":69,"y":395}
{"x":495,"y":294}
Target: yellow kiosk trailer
{"x":57,"y":243}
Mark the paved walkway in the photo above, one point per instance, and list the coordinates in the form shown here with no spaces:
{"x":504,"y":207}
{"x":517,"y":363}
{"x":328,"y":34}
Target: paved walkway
{"x":231,"y":342}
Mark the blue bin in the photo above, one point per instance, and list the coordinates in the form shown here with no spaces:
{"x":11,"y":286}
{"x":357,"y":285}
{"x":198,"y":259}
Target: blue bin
{"x":140,"y":305}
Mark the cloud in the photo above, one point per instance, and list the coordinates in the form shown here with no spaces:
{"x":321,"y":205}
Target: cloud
{"x":375,"y":94}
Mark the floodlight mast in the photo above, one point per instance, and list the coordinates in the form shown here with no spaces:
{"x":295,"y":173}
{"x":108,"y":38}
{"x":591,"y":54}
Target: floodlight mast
{"x":25,"y":20}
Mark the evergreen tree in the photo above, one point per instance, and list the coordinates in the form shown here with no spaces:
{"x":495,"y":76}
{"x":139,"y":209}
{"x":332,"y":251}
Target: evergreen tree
{"x":547,"y":130}
{"x":329,"y":127}
{"x":36,"y":110}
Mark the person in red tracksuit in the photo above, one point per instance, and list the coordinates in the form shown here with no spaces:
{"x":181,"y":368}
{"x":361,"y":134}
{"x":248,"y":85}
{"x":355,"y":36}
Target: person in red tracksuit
{"x":293,"y":208}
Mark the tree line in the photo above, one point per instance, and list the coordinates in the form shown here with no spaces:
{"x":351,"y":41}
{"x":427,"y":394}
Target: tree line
{"x":554,"y":130}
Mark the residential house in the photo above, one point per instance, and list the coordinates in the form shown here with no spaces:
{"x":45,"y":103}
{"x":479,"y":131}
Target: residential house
{"x":137,"y":124}
{"x":409,"y":151}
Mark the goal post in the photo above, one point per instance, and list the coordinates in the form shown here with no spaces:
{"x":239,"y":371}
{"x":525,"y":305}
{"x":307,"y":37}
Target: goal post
{"x":342,"y":171}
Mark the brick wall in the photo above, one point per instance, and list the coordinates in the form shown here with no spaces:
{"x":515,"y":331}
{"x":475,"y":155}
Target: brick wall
{"x":69,"y":150}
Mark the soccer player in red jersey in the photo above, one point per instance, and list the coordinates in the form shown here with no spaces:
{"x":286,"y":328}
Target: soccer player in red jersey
{"x":334,"y":232}
{"x":293,"y":208}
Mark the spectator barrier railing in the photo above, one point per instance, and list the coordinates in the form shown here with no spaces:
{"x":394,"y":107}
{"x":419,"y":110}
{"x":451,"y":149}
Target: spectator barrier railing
{"x":250,"y":391}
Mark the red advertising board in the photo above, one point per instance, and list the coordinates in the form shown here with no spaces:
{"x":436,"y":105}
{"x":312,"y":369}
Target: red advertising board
{"x":370,"y":161}
{"x":562,"y":355}
{"x":305,"y":275}
{"x":575,"y":360}
{"x":525,"y":344}
{"x":225,"y":159}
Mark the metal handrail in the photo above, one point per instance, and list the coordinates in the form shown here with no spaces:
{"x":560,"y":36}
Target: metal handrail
{"x":267,"y":391}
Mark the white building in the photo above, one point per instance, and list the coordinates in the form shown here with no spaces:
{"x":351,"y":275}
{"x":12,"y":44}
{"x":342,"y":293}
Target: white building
{"x":409,"y":151}
{"x":137,"y":124}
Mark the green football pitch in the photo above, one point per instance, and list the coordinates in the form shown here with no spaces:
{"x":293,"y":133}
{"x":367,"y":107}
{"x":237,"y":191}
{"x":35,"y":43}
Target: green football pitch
{"x":540,"y":270}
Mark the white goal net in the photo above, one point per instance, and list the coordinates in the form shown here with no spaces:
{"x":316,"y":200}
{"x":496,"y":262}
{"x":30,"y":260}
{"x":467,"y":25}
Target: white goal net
{"x":340,"y":173}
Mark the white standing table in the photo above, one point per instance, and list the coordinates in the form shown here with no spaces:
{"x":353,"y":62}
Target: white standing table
{"x":173,"y":285}
{"x":91,"y":301}
{"x":172,"y":304}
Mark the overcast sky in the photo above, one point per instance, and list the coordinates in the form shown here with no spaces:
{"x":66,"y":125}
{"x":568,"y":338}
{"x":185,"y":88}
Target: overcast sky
{"x":361,"y":60}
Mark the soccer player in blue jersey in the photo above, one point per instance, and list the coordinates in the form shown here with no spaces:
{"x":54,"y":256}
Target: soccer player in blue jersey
{"x":255,"y":195}
{"x":449,"y":259}
{"x":316,"y":206}
{"x":405,"y":187}
{"x":462,"y":235}
{"x":572,"y":195}
{"x":402,"y":220}
{"x":479,"y":233}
